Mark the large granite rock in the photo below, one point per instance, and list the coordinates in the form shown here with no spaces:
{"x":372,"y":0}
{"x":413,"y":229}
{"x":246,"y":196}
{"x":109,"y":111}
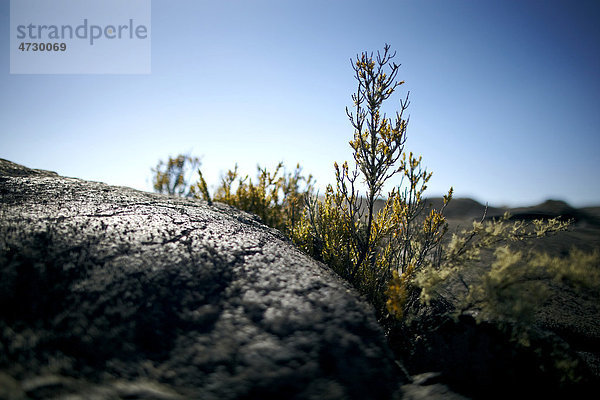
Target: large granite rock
{"x":112,"y":293}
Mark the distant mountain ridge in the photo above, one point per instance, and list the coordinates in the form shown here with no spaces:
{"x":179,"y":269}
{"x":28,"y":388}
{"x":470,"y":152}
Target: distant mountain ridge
{"x":469,"y":208}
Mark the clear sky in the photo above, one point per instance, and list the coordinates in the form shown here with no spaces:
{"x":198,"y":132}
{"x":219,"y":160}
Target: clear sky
{"x":505,"y":95}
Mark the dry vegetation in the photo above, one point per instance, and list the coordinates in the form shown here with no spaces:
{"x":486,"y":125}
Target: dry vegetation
{"x":402,"y":251}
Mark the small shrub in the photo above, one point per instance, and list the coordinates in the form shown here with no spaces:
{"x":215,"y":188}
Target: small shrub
{"x":174,"y":176}
{"x":367,"y":247}
{"x":276,"y":197}
{"x":511,"y":288}
{"x":518,"y":282}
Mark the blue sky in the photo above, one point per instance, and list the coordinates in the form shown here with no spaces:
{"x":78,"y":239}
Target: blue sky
{"x":504,"y":94}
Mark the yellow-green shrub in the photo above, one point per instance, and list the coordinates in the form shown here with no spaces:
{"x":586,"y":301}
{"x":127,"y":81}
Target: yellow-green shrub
{"x":511,"y":287}
{"x":174,"y":175}
{"x":276,"y":197}
{"x":370,"y":248}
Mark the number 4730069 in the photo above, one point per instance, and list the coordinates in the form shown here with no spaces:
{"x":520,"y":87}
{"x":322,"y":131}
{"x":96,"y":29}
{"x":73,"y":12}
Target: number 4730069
{"x":42,"y":46}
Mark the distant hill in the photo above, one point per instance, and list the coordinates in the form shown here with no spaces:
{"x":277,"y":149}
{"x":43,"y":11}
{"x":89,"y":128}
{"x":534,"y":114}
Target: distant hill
{"x":465,"y":208}
{"x":553,"y":209}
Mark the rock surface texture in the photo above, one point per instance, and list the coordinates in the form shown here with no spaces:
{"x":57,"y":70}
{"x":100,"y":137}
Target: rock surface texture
{"x":112,"y":293}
